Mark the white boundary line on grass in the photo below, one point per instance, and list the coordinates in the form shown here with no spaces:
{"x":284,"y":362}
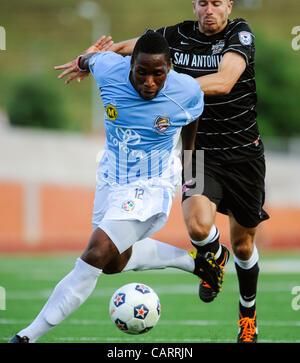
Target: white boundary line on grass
{"x":177,"y":289}
{"x":156,"y":340}
{"x":161,"y":322}
{"x":162,"y":340}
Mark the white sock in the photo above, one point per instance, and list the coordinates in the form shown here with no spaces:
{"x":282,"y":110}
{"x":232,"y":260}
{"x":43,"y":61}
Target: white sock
{"x":213,"y":235}
{"x":149,"y":254}
{"x":247,"y":265}
{"x":68,"y":295}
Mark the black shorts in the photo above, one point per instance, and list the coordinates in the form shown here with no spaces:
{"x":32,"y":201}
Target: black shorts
{"x":238,"y":187}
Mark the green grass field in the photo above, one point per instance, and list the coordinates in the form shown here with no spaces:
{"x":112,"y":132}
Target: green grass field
{"x":29,"y":280}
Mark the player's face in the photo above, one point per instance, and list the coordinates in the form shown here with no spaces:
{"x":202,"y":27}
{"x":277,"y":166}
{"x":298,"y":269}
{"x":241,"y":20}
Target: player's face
{"x":148,"y":74}
{"x":212,"y":15}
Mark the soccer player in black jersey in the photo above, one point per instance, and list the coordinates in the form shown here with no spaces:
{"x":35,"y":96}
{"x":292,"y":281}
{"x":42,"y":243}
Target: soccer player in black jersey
{"x":220,"y":54}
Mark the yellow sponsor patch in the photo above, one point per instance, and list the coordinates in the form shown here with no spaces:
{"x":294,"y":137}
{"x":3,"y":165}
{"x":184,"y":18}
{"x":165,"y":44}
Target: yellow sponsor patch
{"x":111,"y":112}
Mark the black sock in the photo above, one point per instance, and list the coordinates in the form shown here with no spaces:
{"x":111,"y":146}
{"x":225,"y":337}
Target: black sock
{"x":212,"y":246}
{"x":209,"y":247}
{"x":248,"y":287}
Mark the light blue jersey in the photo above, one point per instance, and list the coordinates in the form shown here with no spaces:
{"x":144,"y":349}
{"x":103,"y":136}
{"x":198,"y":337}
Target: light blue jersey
{"x":141,"y":135}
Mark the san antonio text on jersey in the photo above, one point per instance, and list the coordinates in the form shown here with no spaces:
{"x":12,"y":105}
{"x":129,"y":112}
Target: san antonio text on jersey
{"x":228,"y":131}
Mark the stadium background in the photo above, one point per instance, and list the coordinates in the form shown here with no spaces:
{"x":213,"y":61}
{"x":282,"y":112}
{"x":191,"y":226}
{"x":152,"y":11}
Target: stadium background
{"x":51,"y":135}
{"x":47,"y":177}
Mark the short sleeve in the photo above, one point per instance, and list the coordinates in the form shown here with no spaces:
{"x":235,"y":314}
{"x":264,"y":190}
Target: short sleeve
{"x":197,"y":102}
{"x":195,"y":98}
{"x":241,"y":40}
{"x":102,"y":66}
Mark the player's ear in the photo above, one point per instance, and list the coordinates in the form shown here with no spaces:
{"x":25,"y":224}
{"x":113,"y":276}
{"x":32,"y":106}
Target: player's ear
{"x":194,"y":6}
{"x":230,"y":5}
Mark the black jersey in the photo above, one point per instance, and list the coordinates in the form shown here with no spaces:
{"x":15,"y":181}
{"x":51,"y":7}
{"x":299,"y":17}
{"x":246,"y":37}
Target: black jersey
{"x":228,"y":131}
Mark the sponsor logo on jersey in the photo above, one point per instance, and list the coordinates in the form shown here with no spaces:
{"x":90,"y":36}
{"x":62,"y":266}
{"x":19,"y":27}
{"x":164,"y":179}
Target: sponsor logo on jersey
{"x":124,"y":140}
{"x":161,"y":124}
{"x":218,"y":47}
{"x":128,"y":136}
{"x":111,"y":112}
{"x":128,"y":205}
{"x":245,"y":38}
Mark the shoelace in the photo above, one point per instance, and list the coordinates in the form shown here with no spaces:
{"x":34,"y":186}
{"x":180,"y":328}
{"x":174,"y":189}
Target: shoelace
{"x":248,"y":328}
{"x":204,"y":283}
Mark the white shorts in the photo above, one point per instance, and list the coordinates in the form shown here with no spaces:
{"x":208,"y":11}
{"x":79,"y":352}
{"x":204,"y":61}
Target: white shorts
{"x":130,"y":213}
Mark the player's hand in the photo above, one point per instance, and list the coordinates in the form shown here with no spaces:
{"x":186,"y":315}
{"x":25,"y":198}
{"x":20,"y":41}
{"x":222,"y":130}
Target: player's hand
{"x":103,"y":44}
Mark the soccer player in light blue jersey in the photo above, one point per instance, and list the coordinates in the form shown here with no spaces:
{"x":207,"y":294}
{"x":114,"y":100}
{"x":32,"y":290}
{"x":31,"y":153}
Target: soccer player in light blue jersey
{"x":146,"y":104}
{"x":143,"y":120}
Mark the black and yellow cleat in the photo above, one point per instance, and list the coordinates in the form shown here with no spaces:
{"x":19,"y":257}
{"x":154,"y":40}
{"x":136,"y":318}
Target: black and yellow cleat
{"x":207,"y":268}
{"x":248,"y":331}
{"x":206,"y":293}
{"x":18,"y":339}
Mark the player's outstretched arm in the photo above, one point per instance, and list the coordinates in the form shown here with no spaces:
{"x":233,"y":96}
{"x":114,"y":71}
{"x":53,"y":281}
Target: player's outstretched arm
{"x":124,"y":48}
{"x":221,"y":83}
{"x":103,"y":44}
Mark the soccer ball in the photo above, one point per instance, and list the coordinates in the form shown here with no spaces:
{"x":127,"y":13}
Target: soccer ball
{"x":135,"y":308}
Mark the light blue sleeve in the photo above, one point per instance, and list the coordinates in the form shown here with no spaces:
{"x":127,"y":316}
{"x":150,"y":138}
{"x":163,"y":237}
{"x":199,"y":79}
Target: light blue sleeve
{"x":104,"y":67}
{"x":196,"y":99}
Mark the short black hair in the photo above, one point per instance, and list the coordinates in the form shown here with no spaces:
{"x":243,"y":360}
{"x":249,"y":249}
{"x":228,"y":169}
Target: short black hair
{"x":152,"y":43}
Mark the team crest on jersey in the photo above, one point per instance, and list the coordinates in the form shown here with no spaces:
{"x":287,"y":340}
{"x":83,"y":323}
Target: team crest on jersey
{"x":245,"y":38}
{"x":111,"y":112}
{"x":218,"y":47}
{"x":161,"y":124}
{"x":128,"y":205}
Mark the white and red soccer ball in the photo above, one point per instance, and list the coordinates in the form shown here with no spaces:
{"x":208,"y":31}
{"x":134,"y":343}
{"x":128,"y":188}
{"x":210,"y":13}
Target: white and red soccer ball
{"x":135,"y":308}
